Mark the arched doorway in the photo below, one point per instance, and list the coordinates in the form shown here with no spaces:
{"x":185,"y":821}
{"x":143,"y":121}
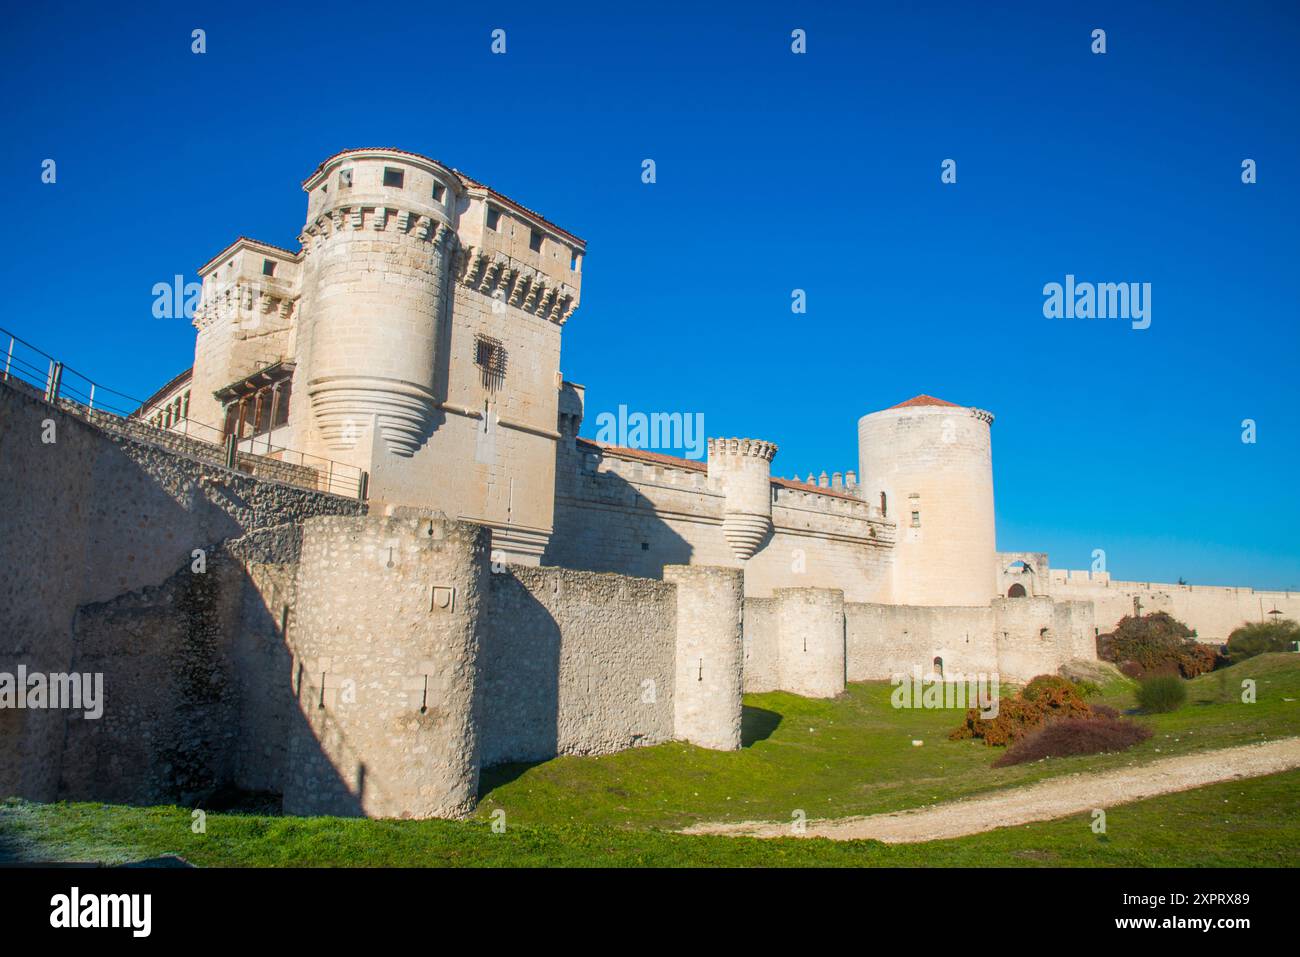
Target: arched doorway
{"x":1016,"y":591}
{"x":938,"y":667}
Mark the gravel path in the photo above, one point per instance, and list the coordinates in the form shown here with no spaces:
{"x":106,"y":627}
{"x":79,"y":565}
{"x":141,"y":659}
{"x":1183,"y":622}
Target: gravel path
{"x":1056,"y":797}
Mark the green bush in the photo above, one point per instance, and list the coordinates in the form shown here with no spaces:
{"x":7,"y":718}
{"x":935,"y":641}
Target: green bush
{"x":1162,"y":693}
{"x":1260,"y":637}
{"x":1157,"y":644}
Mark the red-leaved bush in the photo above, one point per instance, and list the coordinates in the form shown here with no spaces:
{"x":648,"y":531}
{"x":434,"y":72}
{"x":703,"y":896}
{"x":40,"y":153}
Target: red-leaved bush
{"x":1069,"y":736}
{"x":1047,"y":696}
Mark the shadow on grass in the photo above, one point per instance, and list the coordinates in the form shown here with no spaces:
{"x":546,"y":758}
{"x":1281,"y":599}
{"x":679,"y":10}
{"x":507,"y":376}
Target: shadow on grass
{"x":500,"y":775}
{"x":757,"y":724}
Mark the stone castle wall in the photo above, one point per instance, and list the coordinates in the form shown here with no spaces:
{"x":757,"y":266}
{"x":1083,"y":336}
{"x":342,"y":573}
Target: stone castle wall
{"x":1212,"y":611}
{"x":576,"y":663}
{"x":634,"y":517}
{"x":93,"y":520}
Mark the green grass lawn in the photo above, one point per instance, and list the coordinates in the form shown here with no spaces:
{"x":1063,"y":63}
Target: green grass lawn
{"x":1247,"y":823}
{"x":852,"y":755}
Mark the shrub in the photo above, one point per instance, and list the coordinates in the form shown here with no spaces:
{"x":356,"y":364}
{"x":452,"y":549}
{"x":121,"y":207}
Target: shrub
{"x":1047,"y":696}
{"x":1198,"y":659}
{"x":1162,"y":693}
{"x":1070,"y":736}
{"x":1156,"y":644}
{"x":1089,"y":689}
{"x":1262,"y":636}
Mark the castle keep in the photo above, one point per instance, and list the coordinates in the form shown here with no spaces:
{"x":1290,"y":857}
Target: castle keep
{"x":501,"y":589}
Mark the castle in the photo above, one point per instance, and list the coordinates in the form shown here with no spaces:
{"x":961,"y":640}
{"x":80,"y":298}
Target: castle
{"x":497,"y":588}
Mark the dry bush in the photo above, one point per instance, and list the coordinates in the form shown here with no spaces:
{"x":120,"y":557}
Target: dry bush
{"x":1064,"y":737}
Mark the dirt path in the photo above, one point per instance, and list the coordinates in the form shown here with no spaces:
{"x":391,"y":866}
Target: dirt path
{"x":1057,"y":797}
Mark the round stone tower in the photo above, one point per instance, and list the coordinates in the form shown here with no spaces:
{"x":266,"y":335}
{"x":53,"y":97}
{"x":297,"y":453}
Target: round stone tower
{"x":928,"y":464}
{"x":380,"y":228}
{"x":742,"y":470}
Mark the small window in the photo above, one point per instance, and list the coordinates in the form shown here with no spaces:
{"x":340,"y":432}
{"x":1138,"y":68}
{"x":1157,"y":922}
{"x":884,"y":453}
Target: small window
{"x":393,"y":177}
{"x":490,"y":357}
{"x":574,"y":261}
{"x":345,"y":178}
{"x":493,"y":218}
{"x":645,"y":546}
{"x":535,"y":241}
{"x":268,"y":267}
{"x":916,"y":519}
{"x":439,"y":191}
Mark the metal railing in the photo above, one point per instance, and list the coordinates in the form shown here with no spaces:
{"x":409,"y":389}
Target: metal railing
{"x":26,"y":367}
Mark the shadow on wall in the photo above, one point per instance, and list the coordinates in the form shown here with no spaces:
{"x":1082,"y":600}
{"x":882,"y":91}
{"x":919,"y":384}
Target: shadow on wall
{"x":518,"y":694}
{"x":97,"y":575}
{"x":184,"y":663}
{"x":603,"y":523}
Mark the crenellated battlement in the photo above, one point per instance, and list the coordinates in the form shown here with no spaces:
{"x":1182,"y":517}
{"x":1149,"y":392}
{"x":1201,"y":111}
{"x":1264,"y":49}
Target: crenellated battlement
{"x":751,"y":447}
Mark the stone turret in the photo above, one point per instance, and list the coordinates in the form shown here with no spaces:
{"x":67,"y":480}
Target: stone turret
{"x":710,"y":655}
{"x":376,"y":249}
{"x":928,"y":464}
{"x":742,"y":470}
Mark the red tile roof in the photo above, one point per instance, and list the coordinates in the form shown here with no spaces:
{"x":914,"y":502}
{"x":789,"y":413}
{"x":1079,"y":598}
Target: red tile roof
{"x":695,"y":465}
{"x":158,"y":396}
{"x":255,"y":242}
{"x":641,"y":455}
{"x":924,"y":400}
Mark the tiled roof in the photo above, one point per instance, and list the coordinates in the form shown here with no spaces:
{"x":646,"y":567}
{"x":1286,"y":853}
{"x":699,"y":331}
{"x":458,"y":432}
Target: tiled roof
{"x":641,"y":455}
{"x":161,"y":393}
{"x":924,"y":400}
{"x":694,"y":465}
{"x":255,"y":242}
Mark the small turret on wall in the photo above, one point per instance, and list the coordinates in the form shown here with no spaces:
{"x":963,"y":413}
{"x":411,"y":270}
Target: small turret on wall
{"x":386,"y":666}
{"x":742,"y":470}
{"x":707,"y":686}
{"x":810,"y":649}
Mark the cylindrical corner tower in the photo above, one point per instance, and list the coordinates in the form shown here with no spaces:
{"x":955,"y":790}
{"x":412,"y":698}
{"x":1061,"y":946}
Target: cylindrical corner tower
{"x":742,"y":470}
{"x":380,"y":227}
{"x":928,"y":464}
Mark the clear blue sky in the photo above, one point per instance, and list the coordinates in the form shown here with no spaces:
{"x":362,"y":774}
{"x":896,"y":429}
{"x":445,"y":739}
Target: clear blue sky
{"x":775,"y":172}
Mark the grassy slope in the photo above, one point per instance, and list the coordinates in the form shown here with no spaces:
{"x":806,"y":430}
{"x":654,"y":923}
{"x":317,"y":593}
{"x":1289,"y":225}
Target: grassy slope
{"x":829,"y":758}
{"x":854,"y":755}
{"x":1239,"y":823}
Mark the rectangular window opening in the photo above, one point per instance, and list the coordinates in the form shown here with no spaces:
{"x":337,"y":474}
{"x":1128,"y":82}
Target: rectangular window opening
{"x":535,"y":241}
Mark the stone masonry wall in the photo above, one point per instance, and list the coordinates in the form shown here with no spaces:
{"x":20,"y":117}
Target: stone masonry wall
{"x":91,"y":516}
{"x":387,"y":639}
{"x":1212,"y":610}
{"x":575,"y":663}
